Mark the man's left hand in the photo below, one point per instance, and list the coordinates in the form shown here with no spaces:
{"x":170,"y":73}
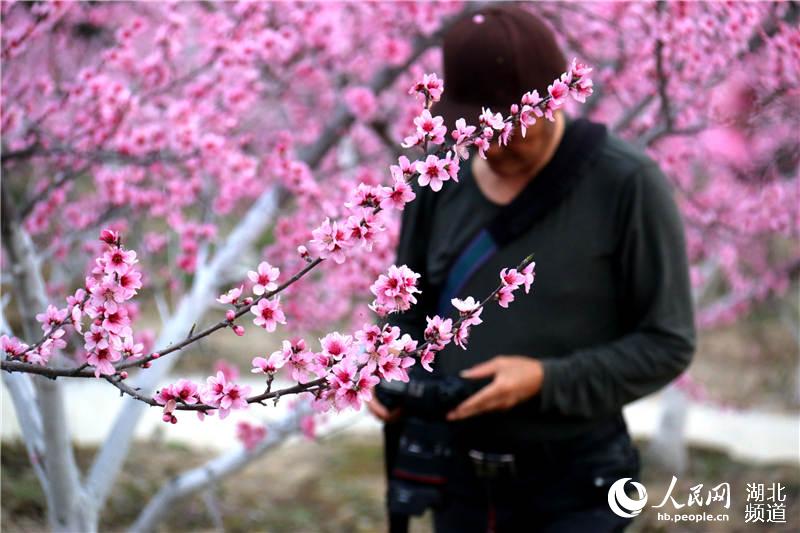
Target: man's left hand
{"x":516,"y":378}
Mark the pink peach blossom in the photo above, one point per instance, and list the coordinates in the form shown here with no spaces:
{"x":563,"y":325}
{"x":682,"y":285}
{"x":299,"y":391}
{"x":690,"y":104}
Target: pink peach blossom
{"x":268,"y":313}
{"x":264,"y":279}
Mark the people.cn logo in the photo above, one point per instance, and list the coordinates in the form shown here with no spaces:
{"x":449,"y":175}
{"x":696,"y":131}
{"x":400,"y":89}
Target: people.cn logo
{"x":621,"y":504}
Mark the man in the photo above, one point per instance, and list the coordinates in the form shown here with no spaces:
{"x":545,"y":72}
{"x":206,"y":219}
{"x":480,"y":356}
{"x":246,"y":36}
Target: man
{"x":610,"y":317}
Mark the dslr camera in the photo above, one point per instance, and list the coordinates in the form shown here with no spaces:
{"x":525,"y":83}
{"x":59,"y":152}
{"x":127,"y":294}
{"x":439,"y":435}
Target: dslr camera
{"x":419,"y":471}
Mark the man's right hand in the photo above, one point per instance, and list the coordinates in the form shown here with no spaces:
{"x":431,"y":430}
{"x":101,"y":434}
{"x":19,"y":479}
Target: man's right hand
{"x":380,"y":411}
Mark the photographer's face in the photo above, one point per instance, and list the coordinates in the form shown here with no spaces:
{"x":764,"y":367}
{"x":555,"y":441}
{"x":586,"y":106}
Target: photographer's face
{"x":522,"y":155}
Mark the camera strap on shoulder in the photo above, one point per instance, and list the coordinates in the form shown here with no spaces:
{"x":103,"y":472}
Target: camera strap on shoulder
{"x":476,"y":253}
{"x":582,"y":140}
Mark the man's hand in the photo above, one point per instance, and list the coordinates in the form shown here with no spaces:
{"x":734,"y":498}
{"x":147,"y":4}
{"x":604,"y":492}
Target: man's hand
{"x":516,"y":378}
{"x":380,"y":411}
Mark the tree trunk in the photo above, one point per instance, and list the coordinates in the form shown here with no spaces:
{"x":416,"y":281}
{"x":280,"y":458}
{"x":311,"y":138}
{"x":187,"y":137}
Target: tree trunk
{"x":112,"y":454}
{"x":66,"y":511}
{"x":668,"y":447}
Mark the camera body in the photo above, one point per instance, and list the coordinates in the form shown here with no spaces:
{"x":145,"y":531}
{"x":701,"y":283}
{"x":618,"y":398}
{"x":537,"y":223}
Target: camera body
{"x":420,"y":468}
{"x":427,"y":396}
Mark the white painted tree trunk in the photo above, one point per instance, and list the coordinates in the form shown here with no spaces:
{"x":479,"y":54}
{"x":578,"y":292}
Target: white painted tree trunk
{"x":23,"y":396}
{"x":61,"y":482}
{"x":112,"y":454}
{"x":71,"y":506}
{"x":668,"y":447}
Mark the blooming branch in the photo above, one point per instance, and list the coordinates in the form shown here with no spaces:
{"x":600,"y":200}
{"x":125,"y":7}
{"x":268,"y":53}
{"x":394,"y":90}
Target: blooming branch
{"x":344,"y":372}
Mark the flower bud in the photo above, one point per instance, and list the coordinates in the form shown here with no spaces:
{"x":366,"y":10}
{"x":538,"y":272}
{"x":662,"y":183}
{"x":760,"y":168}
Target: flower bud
{"x":303,"y":251}
{"x":123,"y":375}
{"x":239,"y":330}
{"x":248,"y":301}
{"x":230,"y":315}
{"x":155,"y":355}
{"x":109,"y":237}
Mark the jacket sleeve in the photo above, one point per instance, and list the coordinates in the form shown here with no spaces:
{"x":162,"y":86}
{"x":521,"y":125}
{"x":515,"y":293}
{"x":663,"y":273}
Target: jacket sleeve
{"x":412,"y":251}
{"x":656,"y":306}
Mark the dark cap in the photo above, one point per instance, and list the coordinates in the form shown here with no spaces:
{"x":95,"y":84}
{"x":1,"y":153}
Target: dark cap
{"x":494,"y":57}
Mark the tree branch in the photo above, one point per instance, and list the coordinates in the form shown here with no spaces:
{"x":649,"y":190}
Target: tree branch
{"x":343,"y":119}
{"x":661,"y":77}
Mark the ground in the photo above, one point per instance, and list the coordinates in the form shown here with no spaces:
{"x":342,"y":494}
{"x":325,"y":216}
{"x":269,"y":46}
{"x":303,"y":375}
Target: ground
{"x":332,"y":485}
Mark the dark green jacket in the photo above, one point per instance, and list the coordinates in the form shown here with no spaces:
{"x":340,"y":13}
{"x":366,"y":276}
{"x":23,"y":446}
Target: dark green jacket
{"x":610,"y":313}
